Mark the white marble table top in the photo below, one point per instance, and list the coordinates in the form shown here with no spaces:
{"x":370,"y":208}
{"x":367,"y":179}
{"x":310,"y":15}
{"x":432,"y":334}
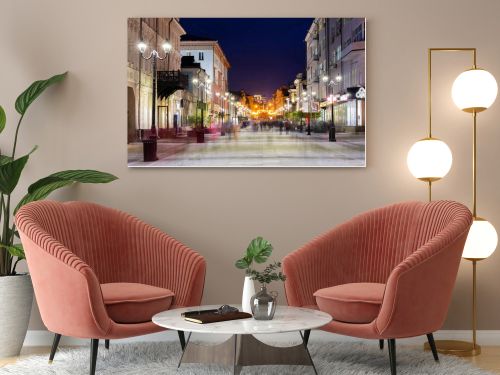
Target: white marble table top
{"x":286,"y":319}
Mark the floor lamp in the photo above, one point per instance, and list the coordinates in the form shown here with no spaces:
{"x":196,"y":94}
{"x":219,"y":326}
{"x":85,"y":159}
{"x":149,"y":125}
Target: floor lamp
{"x":473,"y":91}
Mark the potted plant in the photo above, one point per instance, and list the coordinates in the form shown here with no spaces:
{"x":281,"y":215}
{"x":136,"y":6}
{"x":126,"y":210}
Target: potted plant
{"x":258,"y":251}
{"x":16,"y":291}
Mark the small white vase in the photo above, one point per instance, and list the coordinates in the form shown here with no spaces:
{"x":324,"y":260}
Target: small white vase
{"x":248,"y":292}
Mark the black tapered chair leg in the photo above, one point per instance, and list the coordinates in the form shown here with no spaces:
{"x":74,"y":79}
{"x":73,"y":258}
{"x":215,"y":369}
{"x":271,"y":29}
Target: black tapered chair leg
{"x":106,"y":344}
{"x":94,"y":346}
{"x":392,"y":355}
{"x":55,"y":344}
{"x":381,"y":344}
{"x":307,"y":333}
{"x":432,"y":344}
{"x":182,"y":339}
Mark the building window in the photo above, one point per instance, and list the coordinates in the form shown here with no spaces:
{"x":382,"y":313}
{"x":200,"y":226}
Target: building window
{"x":200,"y":56}
{"x":358,"y":34}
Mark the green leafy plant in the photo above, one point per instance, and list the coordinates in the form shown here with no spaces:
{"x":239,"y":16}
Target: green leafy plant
{"x":259,"y":250}
{"x":10,"y":173}
{"x":269,"y":274}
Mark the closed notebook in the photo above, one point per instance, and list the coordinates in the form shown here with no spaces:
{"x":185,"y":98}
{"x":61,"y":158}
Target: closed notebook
{"x":211,"y":317}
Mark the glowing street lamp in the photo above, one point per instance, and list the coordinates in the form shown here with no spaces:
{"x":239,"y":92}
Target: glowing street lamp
{"x":332,"y":83}
{"x":150,"y":145}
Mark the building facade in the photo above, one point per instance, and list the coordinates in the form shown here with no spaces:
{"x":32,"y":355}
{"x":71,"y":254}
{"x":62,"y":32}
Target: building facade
{"x":299,"y":96}
{"x":338,"y":74}
{"x":196,"y":99}
{"x":213,"y":61}
{"x":153,"y":32}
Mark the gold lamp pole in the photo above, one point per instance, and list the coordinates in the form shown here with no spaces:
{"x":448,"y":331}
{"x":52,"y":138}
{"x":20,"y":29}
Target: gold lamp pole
{"x":429,"y":159}
{"x":473,"y":91}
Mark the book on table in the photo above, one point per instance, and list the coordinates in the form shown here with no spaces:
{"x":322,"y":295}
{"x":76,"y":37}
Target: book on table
{"x":213,"y":316}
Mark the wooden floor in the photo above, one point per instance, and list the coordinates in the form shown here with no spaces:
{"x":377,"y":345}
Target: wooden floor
{"x":488,"y":360}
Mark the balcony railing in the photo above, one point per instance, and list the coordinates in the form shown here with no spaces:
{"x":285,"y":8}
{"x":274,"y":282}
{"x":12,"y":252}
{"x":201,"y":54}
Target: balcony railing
{"x":169,"y":81}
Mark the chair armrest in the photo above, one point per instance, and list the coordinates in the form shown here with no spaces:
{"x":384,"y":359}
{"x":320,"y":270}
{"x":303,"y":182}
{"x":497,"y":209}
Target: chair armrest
{"x":321,"y":263}
{"x":419,"y":289}
{"x":165,"y":262}
{"x":67,"y":290}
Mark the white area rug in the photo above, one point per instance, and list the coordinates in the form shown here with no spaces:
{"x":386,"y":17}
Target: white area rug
{"x":162,"y":358}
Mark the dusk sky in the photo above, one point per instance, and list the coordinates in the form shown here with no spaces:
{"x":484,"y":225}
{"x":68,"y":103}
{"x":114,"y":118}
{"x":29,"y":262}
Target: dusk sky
{"x":264,"y":53}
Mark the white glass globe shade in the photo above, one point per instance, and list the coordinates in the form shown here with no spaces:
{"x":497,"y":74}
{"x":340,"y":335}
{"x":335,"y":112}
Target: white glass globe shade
{"x":474,"y":90}
{"x":429,"y":159}
{"x":481,"y":241}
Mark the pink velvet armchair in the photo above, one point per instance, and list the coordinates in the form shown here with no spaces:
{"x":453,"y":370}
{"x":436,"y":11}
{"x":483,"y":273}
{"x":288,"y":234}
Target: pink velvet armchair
{"x":385,"y":274}
{"x":99,"y":273}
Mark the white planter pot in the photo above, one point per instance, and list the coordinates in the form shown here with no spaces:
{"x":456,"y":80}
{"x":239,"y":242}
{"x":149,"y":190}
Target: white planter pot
{"x":16,"y":298}
{"x":248,"y":292}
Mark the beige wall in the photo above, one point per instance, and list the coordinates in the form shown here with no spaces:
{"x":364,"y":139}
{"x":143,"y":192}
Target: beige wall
{"x":82,"y":124}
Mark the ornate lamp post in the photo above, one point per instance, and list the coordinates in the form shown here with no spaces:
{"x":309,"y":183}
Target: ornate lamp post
{"x":308,"y":98}
{"x":226,"y":110}
{"x":201,"y":95}
{"x":200,"y":102}
{"x":221,"y":113}
{"x":332,"y":83}
{"x":232,"y":111}
{"x":150,"y":145}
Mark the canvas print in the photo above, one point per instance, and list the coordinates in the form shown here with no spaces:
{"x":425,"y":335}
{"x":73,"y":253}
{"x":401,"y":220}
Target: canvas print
{"x":246,"y":92}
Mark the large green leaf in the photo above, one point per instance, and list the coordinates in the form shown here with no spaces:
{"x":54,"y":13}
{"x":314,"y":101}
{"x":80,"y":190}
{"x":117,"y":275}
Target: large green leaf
{"x":259,"y":250}
{"x":29,"y":95}
{"x":3,"y":119}
{"x":86,"y":176}
{"x":242,"y":263}
{"x":42,"y":193}
{"x":4,"y":159}
{"x":10,"y":172}
{"x":43,"y":187}
{"x":15,"y":250}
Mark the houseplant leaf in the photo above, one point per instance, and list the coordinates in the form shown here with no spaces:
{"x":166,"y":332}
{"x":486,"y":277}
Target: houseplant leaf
{"x":259,"y":250}
{"x":242,"y":263}
{"x":41,"y":193}
{"x":15,"y":250}
{"x":76,"y":175}
{"x":10,"y":172}
{"x":85,"y":176}
{"x":27,"y":97}
{"x":43,"y":187}
{"x":3,"y":119}
{"x":4,"y":159}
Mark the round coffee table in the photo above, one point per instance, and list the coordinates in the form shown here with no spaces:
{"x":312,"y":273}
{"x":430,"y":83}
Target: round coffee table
{"x":242,"y":348}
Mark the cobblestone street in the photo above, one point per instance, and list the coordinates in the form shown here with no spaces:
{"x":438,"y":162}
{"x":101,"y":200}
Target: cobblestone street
{"x":257,"y":149}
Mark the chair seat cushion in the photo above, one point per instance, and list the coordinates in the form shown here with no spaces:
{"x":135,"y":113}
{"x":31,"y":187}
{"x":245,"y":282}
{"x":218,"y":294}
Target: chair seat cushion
{"x":135,"y":303}
{"x":351,"y":303}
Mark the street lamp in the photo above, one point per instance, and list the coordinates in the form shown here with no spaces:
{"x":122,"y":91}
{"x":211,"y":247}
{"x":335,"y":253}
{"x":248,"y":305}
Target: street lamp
{"x":232,"y":113}
{"x":150,"y":145}
{"x":226,"y":110}
{"x":221,"y":111}
{"x":310,"y":98}
{"x":332,"y":83}
{"x":199,"y":83}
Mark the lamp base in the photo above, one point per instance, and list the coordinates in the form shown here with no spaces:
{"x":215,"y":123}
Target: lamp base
{"x":456,"y":348}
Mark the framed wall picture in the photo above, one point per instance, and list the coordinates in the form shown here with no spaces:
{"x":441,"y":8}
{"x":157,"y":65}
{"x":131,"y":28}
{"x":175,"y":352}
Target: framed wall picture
{"x":246,"y":92}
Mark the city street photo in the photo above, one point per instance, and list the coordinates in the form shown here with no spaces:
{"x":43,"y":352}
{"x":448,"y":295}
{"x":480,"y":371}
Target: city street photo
{"x":246,"y":92}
